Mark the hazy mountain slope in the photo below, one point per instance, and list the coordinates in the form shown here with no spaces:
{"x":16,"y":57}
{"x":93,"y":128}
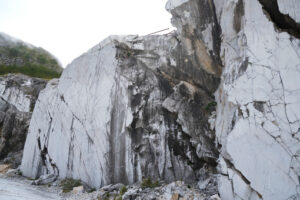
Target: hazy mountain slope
{"x":17,"y":56}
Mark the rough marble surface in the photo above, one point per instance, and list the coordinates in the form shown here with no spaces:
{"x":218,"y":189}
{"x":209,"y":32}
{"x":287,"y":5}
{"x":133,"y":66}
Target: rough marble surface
{"x":258,"y":114}
{"x":125,"y":110}
{"x":20,"y":91}
{"x":18,"y":94}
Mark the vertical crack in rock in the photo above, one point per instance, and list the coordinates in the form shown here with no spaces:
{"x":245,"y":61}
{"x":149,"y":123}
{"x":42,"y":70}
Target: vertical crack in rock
{"x":117,"y":148}
{"x":7,"y":130}
{"x":282,"y":21}
{"x":71,"y":148}
{"x":43,"y":147}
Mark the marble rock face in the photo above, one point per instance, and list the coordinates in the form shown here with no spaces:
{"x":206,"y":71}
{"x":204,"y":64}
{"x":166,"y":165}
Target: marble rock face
{"x":134,"y":107}
{"x":18,"y":94}
{"x":258,"y":112}
{"x":20,"y":91}
{"x":131,"y":107}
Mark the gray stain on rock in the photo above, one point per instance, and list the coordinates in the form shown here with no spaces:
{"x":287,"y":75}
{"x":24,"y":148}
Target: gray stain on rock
{"x":238,"y":15}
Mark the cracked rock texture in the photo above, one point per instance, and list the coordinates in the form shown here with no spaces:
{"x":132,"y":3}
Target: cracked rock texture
{"x":129,"y":108}
{"x":258,"y":112}
{"x":134,"y":107}
{"x":18,"y":94}
{"x":20,"y":91}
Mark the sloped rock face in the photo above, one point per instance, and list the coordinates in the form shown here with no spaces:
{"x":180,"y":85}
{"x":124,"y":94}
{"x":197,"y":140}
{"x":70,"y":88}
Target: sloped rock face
{"x":126,"y":109}
{"x":18,"y":94}
{"x":257,"y":123}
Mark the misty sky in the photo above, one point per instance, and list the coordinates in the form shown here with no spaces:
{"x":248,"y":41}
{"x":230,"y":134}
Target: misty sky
{"x":68,"y":28}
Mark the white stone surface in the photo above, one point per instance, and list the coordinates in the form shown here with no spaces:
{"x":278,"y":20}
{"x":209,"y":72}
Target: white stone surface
{"x":15,"y":96}
{"x":21,"y":190}
{"x":75,"y":127}
{"x":78,"y":189}
{"x":102,"y":121}
{"x":258,"y":105}
{"x":290,"y":7}
{"x":20,"y":91}
{"x":174,"y":3}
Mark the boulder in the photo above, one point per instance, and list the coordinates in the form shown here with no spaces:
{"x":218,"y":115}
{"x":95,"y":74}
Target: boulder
{"x":78,"y":189}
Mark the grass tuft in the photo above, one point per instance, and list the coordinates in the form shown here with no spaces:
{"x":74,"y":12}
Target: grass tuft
{"x":68,"y":184}
{"x":123,"y":190}
{"x":147,"y":183}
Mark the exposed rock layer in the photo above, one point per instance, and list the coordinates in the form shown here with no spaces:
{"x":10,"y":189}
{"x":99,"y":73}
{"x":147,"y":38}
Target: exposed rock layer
{"x":257,"y":123}
{"x":142,"y":111}
{"x":18,"y":94}
{"x":21,"y":91}
{"x":136,"y":116}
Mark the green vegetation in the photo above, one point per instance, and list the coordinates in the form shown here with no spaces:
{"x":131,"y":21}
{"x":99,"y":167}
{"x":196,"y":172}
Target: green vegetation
{"x":123,"y":190}
{"x":147,"y":183}
{"x":68,"y":184}
{"x":31,"y":61}
{"x":30,"y":70}
{"x":105,"y":197}
{"x":35,"y":56}
{"x":92,"y":190}
{"x":19,"y":172}
{"x":210,"y":105}
{"x":113,"y":195}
